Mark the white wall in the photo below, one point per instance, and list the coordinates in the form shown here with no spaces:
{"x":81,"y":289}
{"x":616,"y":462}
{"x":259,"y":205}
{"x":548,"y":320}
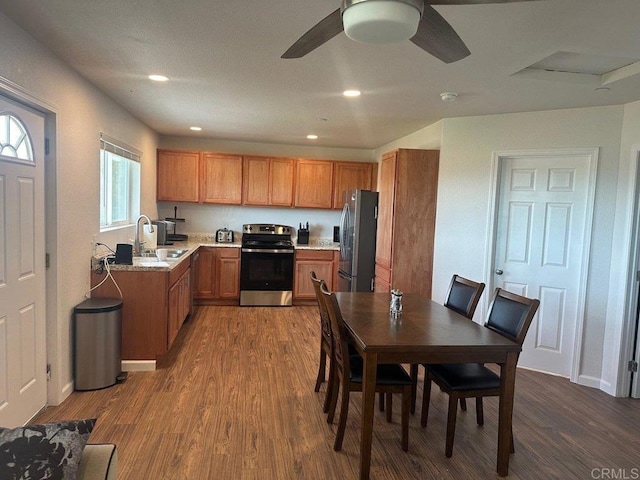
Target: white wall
{"x":80,"y":113}
{"x":463,"y":201}
{"x":428,"y":138}
{"x":209,"y":218}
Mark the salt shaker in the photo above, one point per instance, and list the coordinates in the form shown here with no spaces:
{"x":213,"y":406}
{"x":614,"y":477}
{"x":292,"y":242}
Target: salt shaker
{"x":395,"y":309}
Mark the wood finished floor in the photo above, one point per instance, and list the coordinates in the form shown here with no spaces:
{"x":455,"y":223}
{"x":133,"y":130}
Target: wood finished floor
{"x":234,"y":400}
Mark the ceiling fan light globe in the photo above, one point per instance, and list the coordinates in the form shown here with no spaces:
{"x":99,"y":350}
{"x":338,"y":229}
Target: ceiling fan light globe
{"x":381,"y":21}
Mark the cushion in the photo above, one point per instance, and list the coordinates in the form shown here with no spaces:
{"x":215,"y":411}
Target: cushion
{"x":464,"y":376}
{"x":386,"y":374}
{"x":47,"y":451}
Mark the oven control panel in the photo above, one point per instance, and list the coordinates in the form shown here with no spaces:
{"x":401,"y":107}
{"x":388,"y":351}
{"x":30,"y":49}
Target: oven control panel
{"x":266,"y":228}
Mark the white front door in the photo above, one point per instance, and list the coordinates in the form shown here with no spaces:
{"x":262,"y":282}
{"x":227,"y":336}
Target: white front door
{"x":23,"y":379}
{"x":542,"y":234}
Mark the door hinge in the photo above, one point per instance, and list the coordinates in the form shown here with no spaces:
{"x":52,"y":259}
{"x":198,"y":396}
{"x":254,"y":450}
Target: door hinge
{"x":46,"y":260}
{"x":48,"y":371}
{"x":375,"y":212}
{"x":46,"y":146}
{"x":633,"y":366}
{"x":373,"y":284}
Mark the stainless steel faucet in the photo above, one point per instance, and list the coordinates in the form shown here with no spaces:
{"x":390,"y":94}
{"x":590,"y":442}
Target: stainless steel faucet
{"x":137,"y":245}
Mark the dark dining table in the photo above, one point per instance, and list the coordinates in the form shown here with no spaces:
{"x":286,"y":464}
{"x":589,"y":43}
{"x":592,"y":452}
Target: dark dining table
{"x":425,"y":332}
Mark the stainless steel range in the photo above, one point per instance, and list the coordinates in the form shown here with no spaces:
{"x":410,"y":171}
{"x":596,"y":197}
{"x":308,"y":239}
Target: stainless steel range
{"x":266,"y":265}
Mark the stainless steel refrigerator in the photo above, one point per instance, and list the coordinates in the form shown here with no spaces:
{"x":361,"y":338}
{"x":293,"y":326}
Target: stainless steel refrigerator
{"x":358,"y":225}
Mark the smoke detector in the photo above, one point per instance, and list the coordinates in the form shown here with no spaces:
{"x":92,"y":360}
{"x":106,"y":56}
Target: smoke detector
{"x":448,"y":96}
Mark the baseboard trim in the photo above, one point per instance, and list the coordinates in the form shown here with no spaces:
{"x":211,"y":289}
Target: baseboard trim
{"x":138,"y":365}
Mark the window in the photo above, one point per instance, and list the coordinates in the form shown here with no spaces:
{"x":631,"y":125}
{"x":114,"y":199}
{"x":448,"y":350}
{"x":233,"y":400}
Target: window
{"x":119,"y":184}
{"x":15,"y":143}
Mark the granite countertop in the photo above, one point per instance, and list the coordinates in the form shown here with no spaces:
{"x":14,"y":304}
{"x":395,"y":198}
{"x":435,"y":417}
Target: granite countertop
{"x":142,"y":264}
{"x":318,"y":245}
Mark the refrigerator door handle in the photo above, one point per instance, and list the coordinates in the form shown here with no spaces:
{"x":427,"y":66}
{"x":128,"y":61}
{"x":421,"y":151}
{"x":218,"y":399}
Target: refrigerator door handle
{"x":343,"y":230}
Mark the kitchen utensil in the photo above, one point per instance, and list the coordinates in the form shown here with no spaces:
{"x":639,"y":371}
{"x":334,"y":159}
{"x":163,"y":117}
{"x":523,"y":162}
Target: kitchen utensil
{"x":303,"y":234}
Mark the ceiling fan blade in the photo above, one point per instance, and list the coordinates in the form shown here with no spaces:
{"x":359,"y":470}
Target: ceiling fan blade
{"x":471,"y":2}
{"x":322,"y":32}
{"x":437,"y":37}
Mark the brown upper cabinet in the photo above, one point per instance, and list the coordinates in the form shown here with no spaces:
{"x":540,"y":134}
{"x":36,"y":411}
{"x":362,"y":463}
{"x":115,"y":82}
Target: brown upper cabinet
{"x":351,"y":176}
{"x":231,"y":179}
{"x":268,"y":181}
{"x":314,"y":183}
{"x":221,"y":178}
{"x":178,"y":176}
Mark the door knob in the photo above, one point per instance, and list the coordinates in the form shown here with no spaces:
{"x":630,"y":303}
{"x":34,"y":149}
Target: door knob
{"x":499,"y":272}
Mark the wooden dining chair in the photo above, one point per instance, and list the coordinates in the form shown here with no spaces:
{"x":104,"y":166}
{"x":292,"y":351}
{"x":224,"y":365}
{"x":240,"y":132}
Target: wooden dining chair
{"x":390,"y":379}
{"x":510,"y":315}
{"x":325,"y":344}
{"x":463,"y":297}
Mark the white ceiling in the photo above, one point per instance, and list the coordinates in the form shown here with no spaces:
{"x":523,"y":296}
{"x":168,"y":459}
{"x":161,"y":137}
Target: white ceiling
{"x":226,"y":74}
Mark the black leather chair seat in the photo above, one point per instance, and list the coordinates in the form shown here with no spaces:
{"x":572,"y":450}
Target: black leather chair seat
{"x":386,"y":375}
{"x":465,"y":376}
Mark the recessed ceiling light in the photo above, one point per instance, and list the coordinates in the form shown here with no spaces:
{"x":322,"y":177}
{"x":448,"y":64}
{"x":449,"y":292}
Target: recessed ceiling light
{"x":158,"y":78}
{"x":312,"y":137}
{"x":195,"y":129}
{"x":352,"y":93}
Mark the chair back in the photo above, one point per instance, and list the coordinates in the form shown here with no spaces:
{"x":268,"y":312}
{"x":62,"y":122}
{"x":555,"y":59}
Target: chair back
{"x":338,"y":331}
{"x":464,"y":295}
{"x":510,"y":314}
{"x":325,"y":323}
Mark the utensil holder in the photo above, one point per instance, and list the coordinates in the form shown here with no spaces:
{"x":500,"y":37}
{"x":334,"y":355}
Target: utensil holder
{"x":303,"y":237}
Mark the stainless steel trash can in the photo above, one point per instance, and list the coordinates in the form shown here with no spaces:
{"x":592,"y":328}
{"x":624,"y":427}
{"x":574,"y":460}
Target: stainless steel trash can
{"x":97,"y":343}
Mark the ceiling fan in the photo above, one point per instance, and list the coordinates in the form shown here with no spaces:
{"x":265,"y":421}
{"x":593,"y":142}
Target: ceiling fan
{"x":387,"y":21}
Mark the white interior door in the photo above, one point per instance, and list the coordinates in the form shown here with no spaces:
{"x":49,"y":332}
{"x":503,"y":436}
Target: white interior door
{"x":23,"y":383}
{"x":542,"y":231}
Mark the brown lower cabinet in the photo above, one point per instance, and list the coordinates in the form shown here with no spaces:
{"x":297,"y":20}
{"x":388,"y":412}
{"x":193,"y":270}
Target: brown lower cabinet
{"x":154,"y":306}
{"x":324,"y":263}
{"x":217,"y":276}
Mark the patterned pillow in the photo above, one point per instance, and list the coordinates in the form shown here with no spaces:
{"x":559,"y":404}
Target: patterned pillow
{"x":48,"y":451}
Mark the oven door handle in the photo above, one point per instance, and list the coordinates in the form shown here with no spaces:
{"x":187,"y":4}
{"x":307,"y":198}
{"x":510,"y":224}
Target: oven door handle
{"x":266,"y":250}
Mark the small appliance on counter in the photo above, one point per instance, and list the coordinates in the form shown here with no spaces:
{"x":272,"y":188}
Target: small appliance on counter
{"x":174,"y":236}
{"x":163,"y":227}
{"x":224,"y":236}
{"x":303,"y":234}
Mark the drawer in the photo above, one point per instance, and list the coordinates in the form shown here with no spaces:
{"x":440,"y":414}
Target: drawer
{"x":314,"y":255}
{"x":177,"y":272}
{"x":228,"y":252}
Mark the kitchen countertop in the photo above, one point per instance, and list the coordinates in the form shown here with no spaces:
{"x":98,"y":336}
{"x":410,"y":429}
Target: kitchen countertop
{"x":318,"y":246}
{"x":142,"y":264}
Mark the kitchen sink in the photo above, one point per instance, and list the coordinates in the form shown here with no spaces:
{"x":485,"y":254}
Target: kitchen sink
{"x":175,"y":252}
{"x":172,"y":253}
